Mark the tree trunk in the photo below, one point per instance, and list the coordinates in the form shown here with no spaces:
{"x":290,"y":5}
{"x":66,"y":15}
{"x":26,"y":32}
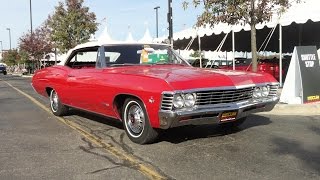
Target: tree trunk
{"x":253,"y":38}
{"x":254,"y":48}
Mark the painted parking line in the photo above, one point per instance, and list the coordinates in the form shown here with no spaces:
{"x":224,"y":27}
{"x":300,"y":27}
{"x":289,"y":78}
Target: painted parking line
{"x":134,"y":163}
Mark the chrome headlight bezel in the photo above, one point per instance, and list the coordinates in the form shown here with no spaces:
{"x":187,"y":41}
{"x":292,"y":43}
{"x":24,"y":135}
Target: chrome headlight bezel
{"x":265,"y":91}
{"x":257,"y":92}
{"x":187,"y":100}
{"x":261,"y":92}
{"x":178,"y":101}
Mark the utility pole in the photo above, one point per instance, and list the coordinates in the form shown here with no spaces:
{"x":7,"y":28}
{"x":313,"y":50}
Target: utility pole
{"x":1,"y":50}
{"x":170,"y":22}
{"x":9,"y":36}
{"x":156,"y":8}
{"x":31,"y":17}
{"x":31,"y":31}
{"x":1,"y":46}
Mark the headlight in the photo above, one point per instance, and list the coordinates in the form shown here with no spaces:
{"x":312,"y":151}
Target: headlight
{"x":184,"y":100}
{"x":178,"y":101}
{"x":265,"y":91}
{"x":189,"y":100}
{"x":260,"y":92}
{"x":257,"y":93}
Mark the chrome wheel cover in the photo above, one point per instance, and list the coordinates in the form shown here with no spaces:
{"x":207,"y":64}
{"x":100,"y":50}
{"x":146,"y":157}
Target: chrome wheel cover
{"x":54,"y":101}
{"x":134,"y":119}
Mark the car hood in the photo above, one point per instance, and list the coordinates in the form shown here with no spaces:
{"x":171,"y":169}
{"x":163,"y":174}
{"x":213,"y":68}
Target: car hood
{"x":184,"y":77}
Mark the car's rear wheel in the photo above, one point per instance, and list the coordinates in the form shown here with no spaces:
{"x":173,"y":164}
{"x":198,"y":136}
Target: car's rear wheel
{"x":56,"y":106}
{"x":4,"y":72}
{"x":136,"y":122}
{"x":235,"y":123}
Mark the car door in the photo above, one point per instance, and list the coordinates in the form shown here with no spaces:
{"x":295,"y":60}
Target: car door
{"x":80,"y":80}
{"x":103,"y":79}
{"x":103,"y":90}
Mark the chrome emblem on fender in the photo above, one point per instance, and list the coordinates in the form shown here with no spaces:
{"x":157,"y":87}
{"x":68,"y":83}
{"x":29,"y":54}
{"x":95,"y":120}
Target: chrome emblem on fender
{"x":151,"y":100}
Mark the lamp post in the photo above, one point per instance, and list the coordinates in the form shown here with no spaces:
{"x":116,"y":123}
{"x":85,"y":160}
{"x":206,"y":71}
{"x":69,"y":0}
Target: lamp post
{"x":156,"y":8}
{"x":1,"y":46}
{"x":1,"y":50}
{"x":9,"y":36}
{"x":31,"y":31}
{"x":170,"y":22}
{"x":30,"y":17}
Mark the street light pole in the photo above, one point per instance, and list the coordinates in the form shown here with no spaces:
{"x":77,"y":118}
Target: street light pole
{"x":156,"y":8}
{"x":9,"y":36}
{"x":1,"y":46}
{"x":170,"y":22}
{"x":30,"y":17}
{"x":1,"y":50}
{"x":31,"y":31}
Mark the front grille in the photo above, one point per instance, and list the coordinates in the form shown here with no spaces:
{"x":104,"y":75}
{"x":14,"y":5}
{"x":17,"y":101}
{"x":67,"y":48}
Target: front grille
{"x":166,"y":103}
{"x":211,"y":97}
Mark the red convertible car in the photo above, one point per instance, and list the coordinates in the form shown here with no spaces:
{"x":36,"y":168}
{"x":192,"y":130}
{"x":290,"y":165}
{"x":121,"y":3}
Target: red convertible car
{"x":150,"y":87}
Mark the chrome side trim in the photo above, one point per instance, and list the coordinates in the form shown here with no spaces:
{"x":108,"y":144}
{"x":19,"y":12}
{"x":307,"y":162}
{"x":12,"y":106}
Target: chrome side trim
{"x":92,"y":112}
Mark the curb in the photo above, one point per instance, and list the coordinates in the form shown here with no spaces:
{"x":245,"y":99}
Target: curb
{"x":21,"y":75}
{"x":29,"y":76}
{"x":295,"y":109}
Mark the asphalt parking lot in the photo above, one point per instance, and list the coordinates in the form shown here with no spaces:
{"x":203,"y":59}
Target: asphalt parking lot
{"x":37,"y":145}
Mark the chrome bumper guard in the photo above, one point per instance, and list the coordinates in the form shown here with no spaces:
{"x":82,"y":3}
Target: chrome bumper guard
{"x":211,"y":114}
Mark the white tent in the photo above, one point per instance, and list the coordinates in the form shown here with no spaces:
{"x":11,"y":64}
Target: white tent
{"x":105,"y":37}
{"x":299,"y":13}
{"x":129,"y":38}
{"x":146,"y":37}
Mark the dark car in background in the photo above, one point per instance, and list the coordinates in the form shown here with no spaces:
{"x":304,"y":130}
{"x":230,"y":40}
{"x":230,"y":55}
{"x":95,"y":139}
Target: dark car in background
{"x":206,"y":63}
{"x":3,"y":69}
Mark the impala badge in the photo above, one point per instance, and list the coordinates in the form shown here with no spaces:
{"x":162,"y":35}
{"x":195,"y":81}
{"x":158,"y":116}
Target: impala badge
{"x":151,"y":100}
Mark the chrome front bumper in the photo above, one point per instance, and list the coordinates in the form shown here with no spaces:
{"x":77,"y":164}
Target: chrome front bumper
{"x":212,"y":114}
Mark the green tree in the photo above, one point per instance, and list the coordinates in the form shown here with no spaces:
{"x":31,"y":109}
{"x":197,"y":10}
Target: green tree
{"x":233,"y":12}
{"x":11,"y":57}
{"x":24,"y":56}
{"x":71,"y":24}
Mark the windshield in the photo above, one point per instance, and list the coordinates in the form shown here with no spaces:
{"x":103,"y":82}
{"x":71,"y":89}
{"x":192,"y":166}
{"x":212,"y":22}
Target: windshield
{"x":143,"y":54}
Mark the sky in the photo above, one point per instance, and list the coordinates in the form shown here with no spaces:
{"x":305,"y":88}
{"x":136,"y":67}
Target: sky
{"x":118,"y":15}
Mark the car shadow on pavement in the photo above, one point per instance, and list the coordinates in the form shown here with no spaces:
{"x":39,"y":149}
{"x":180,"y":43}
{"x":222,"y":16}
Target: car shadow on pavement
{"x":187,"y":133}
{"x":184,"y":133}
{"x":97,"y":118}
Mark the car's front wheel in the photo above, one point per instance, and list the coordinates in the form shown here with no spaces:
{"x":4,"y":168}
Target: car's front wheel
{"x":56,"y":106}
{"x":4,"y":72}
{"x":136,"y":122}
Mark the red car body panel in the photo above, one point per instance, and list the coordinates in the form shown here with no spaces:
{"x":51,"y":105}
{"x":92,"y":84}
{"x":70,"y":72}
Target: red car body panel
{"x":265,"y":67}
{"x":95,"y":90}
